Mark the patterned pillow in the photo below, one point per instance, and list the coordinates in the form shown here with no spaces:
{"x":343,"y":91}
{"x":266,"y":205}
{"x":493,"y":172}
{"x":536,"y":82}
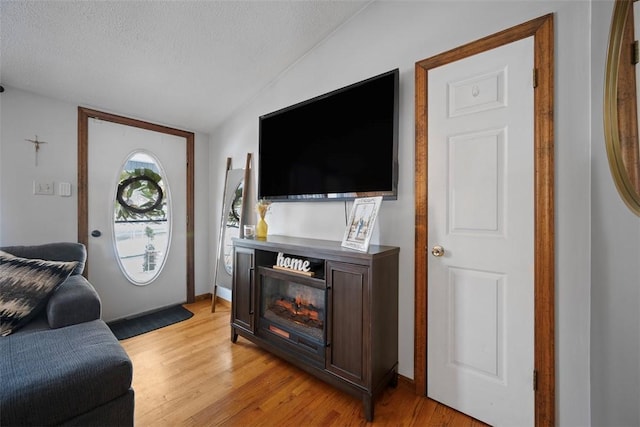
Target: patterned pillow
{"x":25,"y":287}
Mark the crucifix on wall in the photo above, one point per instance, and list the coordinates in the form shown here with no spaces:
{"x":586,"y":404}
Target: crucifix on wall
{"x":36,"y":144}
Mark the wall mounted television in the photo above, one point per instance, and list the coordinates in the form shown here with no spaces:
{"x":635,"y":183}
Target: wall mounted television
{"x":338,"y":146}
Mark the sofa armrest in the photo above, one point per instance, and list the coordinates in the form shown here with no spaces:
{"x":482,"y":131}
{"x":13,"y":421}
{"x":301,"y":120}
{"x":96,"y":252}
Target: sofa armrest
{"x":75,"y":301}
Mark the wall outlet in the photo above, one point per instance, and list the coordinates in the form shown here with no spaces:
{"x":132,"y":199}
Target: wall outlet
{"x":43,"y":188}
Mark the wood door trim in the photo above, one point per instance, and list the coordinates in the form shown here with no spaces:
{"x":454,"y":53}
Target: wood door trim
{"x":544,"y":235}
{"x":83,"y":173}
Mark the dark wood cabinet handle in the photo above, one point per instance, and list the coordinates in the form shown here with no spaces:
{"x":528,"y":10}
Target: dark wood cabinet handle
{"x":251,"y":311}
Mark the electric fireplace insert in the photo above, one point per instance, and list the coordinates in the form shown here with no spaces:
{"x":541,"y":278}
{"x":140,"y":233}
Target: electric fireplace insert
{"x":292,"y":311}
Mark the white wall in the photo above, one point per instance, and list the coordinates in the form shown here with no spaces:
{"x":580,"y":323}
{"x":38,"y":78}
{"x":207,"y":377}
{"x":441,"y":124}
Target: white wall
{"x":27,"y":218}
{"x":615,"y":269}
{"x":393,"y":34}
{"x":30,"y":219}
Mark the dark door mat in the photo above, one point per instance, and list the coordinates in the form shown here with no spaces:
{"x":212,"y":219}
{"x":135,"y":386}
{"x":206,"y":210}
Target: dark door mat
{"x":128,"y":328}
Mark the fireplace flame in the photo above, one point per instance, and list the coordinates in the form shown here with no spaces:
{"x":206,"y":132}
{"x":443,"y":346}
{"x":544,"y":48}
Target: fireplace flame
{"x":299,"y":310}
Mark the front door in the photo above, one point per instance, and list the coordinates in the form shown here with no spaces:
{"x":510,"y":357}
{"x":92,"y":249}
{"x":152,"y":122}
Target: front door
{"x":137,"y":256}
{"x":481,"y":235}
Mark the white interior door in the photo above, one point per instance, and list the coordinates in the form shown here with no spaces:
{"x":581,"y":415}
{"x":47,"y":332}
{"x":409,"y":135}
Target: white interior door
{"x":480,"y":355}
{"x":109,"y":146}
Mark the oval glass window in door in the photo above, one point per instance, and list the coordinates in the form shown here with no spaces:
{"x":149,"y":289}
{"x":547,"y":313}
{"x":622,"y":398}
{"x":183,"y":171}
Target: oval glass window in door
{"x":141,"y":218}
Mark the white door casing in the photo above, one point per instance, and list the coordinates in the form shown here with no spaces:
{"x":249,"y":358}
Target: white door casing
{"x":480,"y":197}
{"x":109,"y":145}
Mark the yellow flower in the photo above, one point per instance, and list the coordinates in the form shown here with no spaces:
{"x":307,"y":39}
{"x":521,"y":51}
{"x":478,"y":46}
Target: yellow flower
{"x":262,"y":207}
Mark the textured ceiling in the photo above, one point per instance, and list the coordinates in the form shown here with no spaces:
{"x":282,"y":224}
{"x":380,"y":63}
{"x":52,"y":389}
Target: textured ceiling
{"x":187,"y":64}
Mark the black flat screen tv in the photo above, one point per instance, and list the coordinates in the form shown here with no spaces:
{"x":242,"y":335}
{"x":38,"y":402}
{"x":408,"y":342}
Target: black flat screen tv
{"x":338,"y":146}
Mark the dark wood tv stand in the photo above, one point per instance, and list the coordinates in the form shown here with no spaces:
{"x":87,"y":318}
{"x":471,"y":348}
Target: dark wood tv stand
{"x":351,"y":340}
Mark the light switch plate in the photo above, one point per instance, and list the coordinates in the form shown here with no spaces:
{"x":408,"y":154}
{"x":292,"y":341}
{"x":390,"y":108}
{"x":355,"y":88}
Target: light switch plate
{"x":43,"y":188}
{"x":64,"y":189}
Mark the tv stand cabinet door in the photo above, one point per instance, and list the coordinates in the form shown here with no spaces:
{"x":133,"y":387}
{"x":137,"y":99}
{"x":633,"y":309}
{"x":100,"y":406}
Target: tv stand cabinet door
{"x":243,"y":291}
{"x":348,"y":342}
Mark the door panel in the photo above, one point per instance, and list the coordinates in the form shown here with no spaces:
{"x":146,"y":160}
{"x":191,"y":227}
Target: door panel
{"x":108,"y":147}
{"x":476,"y":337}
{"x":480,"y":198}
{"x":348,"y":301}
{"x":476,"y":179}
{"x":244,"y":296}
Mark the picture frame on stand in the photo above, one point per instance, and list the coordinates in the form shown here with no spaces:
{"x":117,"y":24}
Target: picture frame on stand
{"x":362,"y":220}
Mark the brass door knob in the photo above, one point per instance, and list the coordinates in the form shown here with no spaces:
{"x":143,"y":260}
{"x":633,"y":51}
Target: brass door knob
{"x":437,"y":251}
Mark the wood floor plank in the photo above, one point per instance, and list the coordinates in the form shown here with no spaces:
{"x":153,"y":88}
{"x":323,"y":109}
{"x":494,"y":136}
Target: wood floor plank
{"x":190,"y":374}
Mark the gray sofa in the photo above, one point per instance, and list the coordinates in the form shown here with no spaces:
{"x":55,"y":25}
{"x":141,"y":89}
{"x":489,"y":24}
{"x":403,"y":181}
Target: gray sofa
{"x":65,"y":367}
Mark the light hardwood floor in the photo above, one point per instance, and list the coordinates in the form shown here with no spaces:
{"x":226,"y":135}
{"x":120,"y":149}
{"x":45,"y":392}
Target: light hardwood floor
{"x":190,"y":374}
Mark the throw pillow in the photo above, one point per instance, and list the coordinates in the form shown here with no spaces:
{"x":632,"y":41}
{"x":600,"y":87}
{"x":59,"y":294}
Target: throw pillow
{"x":25,"y":287}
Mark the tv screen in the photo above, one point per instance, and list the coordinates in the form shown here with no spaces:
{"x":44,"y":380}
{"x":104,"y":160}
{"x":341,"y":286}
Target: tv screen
{"x":337,"y":146}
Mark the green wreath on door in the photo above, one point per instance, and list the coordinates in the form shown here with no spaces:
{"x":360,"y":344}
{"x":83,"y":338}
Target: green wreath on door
{"x":140,"y":196}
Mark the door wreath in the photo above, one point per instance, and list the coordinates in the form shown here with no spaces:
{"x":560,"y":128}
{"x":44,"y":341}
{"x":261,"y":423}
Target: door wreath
{"x":140,"y":195}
